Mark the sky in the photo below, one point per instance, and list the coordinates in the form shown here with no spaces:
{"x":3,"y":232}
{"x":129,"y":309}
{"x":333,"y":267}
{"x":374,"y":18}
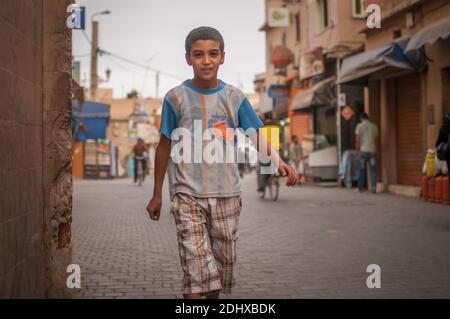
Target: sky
{"x":152,"y":32}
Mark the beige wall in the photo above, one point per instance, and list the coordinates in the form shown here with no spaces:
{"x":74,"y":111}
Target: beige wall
{"x":22,"y":257}
{"x":390,"y":8}
{"x":117,"y":130}
{"x":426,"y":14}
{"x":274,"y":38}
{"x":35,"y":189}
{"x":343,"y":28}
{"x":328,"y":37}
{"x":439,"y":53}
{"x":429,"y":13}
{"x":103,"y":94}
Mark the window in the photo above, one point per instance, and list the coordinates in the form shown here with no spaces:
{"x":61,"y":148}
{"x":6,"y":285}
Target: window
{"x":358,"y":9}
{"x":297,"y":27}
{"x":323,"y":19}
{"x":397,"y":34}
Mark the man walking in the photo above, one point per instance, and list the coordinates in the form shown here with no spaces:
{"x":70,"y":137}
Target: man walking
{"x":366,"y":135}
{"x":296,"y":154}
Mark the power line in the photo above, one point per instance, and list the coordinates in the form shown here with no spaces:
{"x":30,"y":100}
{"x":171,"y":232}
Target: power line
{"x":87,"y":37}
{"x":77,"y":56}
{"x":138,"y":64}
{"x":120,"y":66}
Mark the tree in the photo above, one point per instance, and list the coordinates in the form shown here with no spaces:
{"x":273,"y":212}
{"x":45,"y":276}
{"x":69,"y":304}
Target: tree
{"x":133,"y":94}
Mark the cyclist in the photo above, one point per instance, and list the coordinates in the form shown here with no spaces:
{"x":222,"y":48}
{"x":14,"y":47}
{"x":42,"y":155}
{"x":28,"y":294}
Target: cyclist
{"x":273,"y":128}
{"x":139,"y":151}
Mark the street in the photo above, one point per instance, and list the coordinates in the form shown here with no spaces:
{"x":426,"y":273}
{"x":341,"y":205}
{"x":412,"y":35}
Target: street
{"x":313,"y":243}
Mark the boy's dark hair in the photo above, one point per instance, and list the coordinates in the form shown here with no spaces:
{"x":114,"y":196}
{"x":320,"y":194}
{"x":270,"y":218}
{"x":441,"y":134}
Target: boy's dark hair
{"x":365,"y":116}
{"x":203,"y":33}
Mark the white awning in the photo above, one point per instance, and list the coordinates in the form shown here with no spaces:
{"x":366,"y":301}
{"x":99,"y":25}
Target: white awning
{"x":429,"y":35}
{"x":320,"y":94}
{"x":363,"y":64}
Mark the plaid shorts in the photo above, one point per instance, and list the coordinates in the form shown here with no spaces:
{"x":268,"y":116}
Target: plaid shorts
{"x":207,"y":231}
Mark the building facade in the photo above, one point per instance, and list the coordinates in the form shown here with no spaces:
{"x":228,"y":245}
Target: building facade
{"x":130,"y":119}
{"x":408,"y":101}
{"x":319,"y":33}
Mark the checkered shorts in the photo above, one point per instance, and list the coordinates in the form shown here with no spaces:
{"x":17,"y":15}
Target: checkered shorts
{"x":207,"y":231}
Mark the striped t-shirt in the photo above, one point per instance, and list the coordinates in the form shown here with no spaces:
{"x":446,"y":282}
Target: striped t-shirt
{"x":224,"y":107}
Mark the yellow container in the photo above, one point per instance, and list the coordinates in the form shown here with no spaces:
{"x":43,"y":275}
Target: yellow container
{"x":431,"y":163}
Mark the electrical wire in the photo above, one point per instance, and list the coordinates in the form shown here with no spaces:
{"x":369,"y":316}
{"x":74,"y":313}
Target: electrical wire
{"x":138,"y":64}
{"x":86,"y":36}
{"x":120,"y":66}
{"x":77,"y":56}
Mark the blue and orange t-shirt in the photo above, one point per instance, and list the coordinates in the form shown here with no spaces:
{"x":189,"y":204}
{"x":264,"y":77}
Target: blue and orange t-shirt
{"x":220,"y":110}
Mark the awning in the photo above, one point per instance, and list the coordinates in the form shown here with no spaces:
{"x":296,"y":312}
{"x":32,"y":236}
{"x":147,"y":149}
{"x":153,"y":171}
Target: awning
{"x":321,"y":94}
{"x":291,"y":76}
{"x":90,"y":109}
{"x":390,"y":55}
{"x":429,"y":35}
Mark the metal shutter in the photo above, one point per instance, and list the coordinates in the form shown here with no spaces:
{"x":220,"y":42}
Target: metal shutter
{"x":409,"y":140}
{"x":300,"y":125}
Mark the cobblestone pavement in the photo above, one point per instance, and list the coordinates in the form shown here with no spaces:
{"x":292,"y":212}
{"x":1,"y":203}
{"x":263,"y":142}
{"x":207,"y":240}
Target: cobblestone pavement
{"x":313,"y":243}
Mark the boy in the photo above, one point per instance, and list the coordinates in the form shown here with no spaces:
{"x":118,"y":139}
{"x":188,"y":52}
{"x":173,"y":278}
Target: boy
{"x":206,"y":201}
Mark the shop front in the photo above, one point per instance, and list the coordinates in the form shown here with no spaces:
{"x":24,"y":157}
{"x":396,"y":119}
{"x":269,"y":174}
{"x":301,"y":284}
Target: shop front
{"x":394,"y":83}
{"x":319,"y":102}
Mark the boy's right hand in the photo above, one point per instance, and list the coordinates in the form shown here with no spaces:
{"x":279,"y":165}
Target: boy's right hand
{"x":154,"y":208}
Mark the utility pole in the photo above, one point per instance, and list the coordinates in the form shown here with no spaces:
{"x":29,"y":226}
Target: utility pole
{"x":146,"y":72}
{"x":94,"y":58}
{"x":157,"y":85}
{"x":94,"y":55}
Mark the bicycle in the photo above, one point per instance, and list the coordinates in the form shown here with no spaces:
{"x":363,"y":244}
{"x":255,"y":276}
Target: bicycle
{"x":140,"y":169}
{"x":272,"y":185}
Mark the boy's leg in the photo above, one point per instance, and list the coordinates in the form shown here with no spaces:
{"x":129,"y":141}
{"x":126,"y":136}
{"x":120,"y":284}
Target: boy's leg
{"x":224,"y":222}
{"x":197,"y":260}
{"x":212,"y":295}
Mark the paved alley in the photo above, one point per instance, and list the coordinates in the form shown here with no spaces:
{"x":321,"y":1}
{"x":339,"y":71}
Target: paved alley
{"x":313,"y":243}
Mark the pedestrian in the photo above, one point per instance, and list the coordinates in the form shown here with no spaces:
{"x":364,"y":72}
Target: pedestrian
{"x":139,"y":154}
{"x":366,"y":135}
{"x":296,"y":154}
{"x":205,"y":197}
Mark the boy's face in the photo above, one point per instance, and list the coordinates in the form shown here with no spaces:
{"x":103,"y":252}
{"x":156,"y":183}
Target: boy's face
{"x":205,"y":58}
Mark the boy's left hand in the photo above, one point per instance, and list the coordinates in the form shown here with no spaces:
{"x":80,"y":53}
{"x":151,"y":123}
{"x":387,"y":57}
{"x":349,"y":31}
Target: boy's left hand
{"x":290,"y":172}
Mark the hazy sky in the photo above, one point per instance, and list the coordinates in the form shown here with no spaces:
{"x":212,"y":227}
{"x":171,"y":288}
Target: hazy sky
{"x":140,"y":29}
